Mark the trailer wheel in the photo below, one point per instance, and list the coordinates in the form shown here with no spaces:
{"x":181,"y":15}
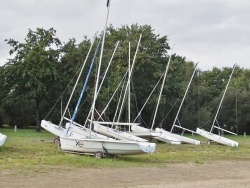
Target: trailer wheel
{"x":99,"y":155}
{"x":57,"y":140}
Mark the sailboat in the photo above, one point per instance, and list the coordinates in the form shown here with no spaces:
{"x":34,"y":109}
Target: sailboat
{"x":140,"y":131}
{"x":214,"y":137}
{"x":103,"y":127}
{"x":59,"y":130}
{"x":2,"y":139}
{"x":101,"y":147}
{"x":159,"y":135}
{"x":182,"y":138}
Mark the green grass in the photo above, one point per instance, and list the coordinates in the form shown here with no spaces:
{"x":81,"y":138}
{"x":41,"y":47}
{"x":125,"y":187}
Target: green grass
{"x":24,"y":150}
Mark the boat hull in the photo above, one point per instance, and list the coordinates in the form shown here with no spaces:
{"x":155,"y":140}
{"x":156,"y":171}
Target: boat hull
{"x":108,"y":147}
{"x":217,"y":138}
{"x":140,"y":131}
{"x":179,"y":137}
{"x":86,"y":132}
{"x":56,"y":130}
{"x":2,"y":139}
{"x":166,"y":138}
{"x":120,"y":135}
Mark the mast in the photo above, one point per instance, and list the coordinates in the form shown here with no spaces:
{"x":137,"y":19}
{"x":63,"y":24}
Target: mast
{"x":66,"y":108}
{"x":129,"y":84}
{"x":218,"y":110}
{"x":129,"y":76}
{"x":104,"y":76}
{"x":164,"y":78}
{"x":84,"y":86}
{"x":184,"y":97}
{"x":99,"y":67}
{"x":148,"y":98}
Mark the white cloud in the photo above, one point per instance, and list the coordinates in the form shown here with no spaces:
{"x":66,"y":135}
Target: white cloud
{"x":212,"y":32}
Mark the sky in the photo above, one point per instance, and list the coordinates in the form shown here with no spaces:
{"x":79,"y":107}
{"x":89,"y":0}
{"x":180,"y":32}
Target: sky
{"x":215,"y":33}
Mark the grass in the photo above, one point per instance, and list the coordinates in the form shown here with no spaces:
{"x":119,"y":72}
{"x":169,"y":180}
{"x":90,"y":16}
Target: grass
{"x":24,"y":150}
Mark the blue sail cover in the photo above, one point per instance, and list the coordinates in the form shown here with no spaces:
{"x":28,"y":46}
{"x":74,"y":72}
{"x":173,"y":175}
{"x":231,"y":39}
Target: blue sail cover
{"x":84,"y":86}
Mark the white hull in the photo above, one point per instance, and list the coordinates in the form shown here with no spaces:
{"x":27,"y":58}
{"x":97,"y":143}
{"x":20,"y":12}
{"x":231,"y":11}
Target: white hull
{"x":2,"y":139}
{"x":217,"y":138}
{"x":165,"y":138}
{"x":86,"y":132}
{"x":108,"y":147}
{"x":179,"y":137}
{"x":140,"y":131}
{"x":120,"y":135}
{"x":56,"y":130}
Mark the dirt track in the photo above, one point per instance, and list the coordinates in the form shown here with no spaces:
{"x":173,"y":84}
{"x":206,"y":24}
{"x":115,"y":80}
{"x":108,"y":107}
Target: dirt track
{"x":219,"y":174}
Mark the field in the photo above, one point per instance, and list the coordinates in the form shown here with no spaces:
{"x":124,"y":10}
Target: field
{"x":33,"y":155}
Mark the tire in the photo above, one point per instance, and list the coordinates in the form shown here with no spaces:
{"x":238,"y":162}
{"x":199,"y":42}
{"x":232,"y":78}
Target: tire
{"x":99,"y":155}
{"x":209,"y":142}
{"x":57,"y":140}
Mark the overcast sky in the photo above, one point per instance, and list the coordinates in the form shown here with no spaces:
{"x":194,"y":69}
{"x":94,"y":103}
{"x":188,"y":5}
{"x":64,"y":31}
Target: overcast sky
{"x":215,"y":33}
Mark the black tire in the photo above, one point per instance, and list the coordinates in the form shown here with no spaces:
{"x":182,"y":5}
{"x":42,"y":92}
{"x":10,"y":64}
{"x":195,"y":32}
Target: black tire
{"x":57,"y":140}
{"x":99,"y":155}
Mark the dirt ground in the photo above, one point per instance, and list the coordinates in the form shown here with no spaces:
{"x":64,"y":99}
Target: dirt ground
{"x":217,"y":174}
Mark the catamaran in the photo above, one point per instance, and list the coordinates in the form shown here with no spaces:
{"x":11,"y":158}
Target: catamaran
{"x":182,"y":138}
{"x":101,"y":147}
{"x":2,"y":139}
{"x":107,"y":128}
{"x":156,"y":134}
{"x":59,"y":130}
{"x":219,"y":138}
{"x":102,"y":127}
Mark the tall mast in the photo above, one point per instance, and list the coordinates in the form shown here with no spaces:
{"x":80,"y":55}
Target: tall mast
{"x":184,"y":97}
{"x":66,"y":108}
{"x":100,"y":62}
{"x":129,"y":76}
{"x":104,"y":76}
{"x":163,"y":82}
{"x":129,"y":84}
{"x":218,"y":110}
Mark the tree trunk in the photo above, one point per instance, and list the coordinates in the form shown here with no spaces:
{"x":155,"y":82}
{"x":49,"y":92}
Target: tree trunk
{"x":38,"y":122}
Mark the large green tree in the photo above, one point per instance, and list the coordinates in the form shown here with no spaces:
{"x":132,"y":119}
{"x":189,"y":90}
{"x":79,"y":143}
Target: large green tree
{"x":31,"y":75}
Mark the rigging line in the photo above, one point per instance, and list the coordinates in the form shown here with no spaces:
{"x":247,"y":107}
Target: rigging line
{"x":71,"y":95}
{"x":139,"y":113}
{"x":171,"y":108}
{"x":63,"y":92}
{"x":118,"y":13}
{"x":119,"y":105}
{"x":99,"y":68}
{"x":84,"y":86}
{"x":224,"y":93}
{"x":208,"y":120}
{"x":135,"y":98}
{"x":129,"y":75}
{"x":123,"y":79}
{"x":162,"y":86}
{"x":69,"y":114}
{"x":145,"y":123}
{"x":104,"y":76}
{"x":98,"y":114}
{"x":188,"y":86}
{"x":106,"y":118}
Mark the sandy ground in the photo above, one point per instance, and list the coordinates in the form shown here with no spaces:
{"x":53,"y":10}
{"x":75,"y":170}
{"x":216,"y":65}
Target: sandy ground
{"x":218,"y":174}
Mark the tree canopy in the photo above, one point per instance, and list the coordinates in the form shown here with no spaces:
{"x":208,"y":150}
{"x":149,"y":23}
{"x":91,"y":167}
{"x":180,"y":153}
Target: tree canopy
{"x":43,"y":71}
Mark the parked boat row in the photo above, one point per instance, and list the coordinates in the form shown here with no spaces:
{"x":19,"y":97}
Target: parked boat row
{"x":106,"y":138}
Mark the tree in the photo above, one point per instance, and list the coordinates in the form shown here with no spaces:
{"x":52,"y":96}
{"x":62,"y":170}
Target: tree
{"x":31,"y":75}
{"x":149,"y":65}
